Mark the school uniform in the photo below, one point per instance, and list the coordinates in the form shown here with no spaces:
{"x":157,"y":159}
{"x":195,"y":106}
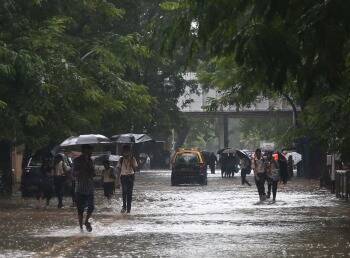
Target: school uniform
{"x":127,"y":167}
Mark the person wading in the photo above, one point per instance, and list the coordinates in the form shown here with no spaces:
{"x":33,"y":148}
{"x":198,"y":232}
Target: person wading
{"x":273,"y":176}
{"x":108,"y":180}
{"x":245,"y":170}
{"x":84,"y":173}
{"x":127,"y":166}
{"x":258,"y":165}
{"x":59,"y":178}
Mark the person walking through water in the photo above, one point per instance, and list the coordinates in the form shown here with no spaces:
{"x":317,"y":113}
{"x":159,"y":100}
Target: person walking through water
{"x":127,"y":166}
{"x":245,"y":170}
{"x":108,"y":180}
{"x":212,"y":162}
{"x":59,"y":177}
{"x":84,"y":173}
{"x":273,"y":176}
{"x":258,"y":165}
{"x":46,"y":182}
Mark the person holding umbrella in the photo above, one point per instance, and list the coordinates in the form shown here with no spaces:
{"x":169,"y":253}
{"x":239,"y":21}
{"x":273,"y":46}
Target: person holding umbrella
{"x":84,"y":172}
{"x":245,"y":165}
{"x":127,"y":166}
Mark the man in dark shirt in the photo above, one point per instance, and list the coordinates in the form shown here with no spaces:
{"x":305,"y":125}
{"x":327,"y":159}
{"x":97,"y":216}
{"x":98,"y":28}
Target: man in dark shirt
{"x":84,"y":173}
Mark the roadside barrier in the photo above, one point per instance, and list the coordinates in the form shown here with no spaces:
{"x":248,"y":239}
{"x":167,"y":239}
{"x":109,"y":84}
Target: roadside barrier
{"x":342,"y":184}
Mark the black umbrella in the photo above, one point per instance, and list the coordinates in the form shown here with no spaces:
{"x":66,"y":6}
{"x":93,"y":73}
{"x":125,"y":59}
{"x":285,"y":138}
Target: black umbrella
{"x":130,"y":138}
{"x":242,"y":154}
{"x":221,"y":150}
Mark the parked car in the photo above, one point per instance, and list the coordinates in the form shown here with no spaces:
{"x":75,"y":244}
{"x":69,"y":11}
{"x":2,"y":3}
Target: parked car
{"x":31,"y":176}
{"x":188,"y":166}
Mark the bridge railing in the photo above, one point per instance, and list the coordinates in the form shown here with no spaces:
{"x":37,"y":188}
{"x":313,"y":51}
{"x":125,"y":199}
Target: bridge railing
{"x":342,"y":184}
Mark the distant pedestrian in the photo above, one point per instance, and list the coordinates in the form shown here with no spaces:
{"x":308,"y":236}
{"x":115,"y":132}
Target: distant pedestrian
{"x":84,"y":172}
{"x":273,"y":175}
{"x":212,"y":162}
{"x":259,"y":167}
{"x":283,"y":166}
{"x":59,"y":177}
{"x":45,"y":183}
{"x":290,"y":165}
{"x":127,"y":166}
{"x":245,"y":165}
{"x":72,"y":189}
{"x":108,"y":180}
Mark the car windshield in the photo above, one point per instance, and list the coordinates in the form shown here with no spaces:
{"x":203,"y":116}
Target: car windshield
{"x":187,"y":159}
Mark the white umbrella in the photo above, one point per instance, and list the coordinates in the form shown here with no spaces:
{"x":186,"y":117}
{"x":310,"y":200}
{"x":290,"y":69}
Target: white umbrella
{"x":295,"y":156}
{"x":131,"y":138}
{"x":85,"y":139}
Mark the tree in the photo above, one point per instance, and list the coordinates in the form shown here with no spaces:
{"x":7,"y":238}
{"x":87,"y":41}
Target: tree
{"x":296,"y":49}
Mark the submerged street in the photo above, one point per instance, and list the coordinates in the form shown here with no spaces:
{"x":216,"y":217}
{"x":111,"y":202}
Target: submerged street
{"x":222,"y":219}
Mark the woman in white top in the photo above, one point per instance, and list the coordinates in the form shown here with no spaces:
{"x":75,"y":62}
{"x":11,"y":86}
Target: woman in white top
{"x":59,"y":177}
{"x":127,"y":166}
{"x":108,"y":180}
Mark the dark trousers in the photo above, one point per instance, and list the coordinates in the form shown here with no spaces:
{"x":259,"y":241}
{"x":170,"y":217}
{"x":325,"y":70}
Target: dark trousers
{"x":212,"y":168}
{"x":85,"y":201}
{"x":72,"y":192}
{"x":58,"y":182}
{"x":244,"y":173}
{"x":272,"y":184}
{"x":127,"y":188}
{"x":260,"y":183}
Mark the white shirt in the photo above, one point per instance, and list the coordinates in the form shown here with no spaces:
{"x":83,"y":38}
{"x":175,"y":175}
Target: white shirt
{"x":128,"y":166}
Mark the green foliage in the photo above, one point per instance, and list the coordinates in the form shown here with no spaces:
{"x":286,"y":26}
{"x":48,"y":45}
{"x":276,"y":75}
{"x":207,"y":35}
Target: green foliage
{"x":255,"y":130}
{"x":201,"y":134}
{"x":63,"y":68}
{"x":297,"y":49}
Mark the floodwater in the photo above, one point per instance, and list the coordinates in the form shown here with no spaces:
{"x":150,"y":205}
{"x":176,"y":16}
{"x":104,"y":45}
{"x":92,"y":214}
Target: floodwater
{"x":222,"y":219}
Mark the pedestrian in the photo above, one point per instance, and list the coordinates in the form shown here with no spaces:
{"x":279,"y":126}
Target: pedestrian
{"x":45,"y":182}
{"x":273,"y":175}
{"x":212,"y":162}
{"x":283,"y":166}
{"x":259,"y":167}
{"x":84,"y":189}
{"x":72,"y":188}
{"x":108,"y":180}
{"x":290,"y":165}
{"x":245,"y":165}
{"x":127,"y":166}
{"x":59,"y":178}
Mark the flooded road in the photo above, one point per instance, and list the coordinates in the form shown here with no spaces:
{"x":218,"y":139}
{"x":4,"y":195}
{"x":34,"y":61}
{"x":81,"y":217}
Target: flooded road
{"x":222,"y":219}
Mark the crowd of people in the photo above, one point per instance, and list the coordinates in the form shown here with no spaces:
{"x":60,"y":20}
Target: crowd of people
{"x":81,"y":175}
{"x":269,"y":168}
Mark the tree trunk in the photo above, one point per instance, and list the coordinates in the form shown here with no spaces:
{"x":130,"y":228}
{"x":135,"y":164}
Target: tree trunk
{"x":295,"y":111}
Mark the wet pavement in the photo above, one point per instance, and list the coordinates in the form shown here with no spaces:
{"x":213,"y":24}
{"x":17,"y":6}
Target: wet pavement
{"x":222,"y":219}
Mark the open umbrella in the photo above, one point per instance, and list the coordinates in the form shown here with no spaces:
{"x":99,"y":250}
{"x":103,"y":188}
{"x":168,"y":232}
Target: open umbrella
{"x":85,"y":139}
{"x":242,"y":155}
{"x":295,"y":156}
{"x":221,"y":150}
{"x":229,"y":151}
{"x":131,"y":138}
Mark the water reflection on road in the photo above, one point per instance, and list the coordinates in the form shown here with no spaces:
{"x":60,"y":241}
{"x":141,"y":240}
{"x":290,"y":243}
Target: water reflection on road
{"x":222,"y":219}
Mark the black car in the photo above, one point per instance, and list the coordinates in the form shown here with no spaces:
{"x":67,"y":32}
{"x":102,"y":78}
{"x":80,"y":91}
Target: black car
{"x":31,"y":176}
